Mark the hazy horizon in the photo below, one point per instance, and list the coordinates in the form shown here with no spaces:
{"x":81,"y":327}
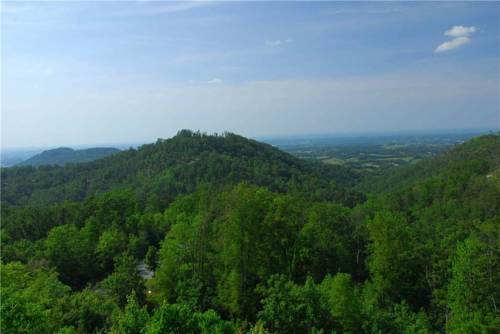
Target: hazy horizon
{"x":91,"y":73}
{"x":268,"y":138}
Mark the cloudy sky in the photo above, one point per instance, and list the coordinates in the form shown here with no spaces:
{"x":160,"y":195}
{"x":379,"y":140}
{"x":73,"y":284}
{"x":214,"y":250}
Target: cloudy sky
{"x":133,"y":71}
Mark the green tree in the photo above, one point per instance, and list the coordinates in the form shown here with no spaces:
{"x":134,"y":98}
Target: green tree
{"x":88,"y":311}
{"x":151,"y":259}
{"x":124,"y":280}
{"x":240,"y":262}
{"x":30,"y":299}
{"x":325,"y":245}
{"x":176,"y":260}
{"x":342,"y":300}
{"x":289,"y":308}
{"x":67,"y":251}
{"x":111,"y":243}
{"x":133,"y":319}
{"x":473,"y":292}
{"x":395,"y":261}
{"x":180,"y":318}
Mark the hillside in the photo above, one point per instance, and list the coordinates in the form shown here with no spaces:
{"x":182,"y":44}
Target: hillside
{"x":244,"y":238}
{"x":480,"y":155}
{"x":159,"y":172}
{"x":63,"y":155}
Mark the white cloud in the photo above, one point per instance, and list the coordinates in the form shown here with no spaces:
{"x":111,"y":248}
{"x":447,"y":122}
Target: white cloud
{"x":212,"y":81}
{"x":460,"y":31}
{"x":279,"y":42}
{"x":453,"y":44}
{"x":461,"y":36}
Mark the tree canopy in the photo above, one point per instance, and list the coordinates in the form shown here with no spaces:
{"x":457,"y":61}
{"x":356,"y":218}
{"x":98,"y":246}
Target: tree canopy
{"x":244,"y":238}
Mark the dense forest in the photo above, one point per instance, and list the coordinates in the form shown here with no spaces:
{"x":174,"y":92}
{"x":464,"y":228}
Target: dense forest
{"x":64,"y":155}
{"x":244,"y":238}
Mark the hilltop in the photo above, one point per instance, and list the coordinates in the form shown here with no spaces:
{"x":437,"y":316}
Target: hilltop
{"x":159,"y":172}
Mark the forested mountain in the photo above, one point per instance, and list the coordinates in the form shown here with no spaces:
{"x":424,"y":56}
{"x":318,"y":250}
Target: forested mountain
{"x":244,"y":238}
{"x":159,"y":172}
{"x":64,"y":155}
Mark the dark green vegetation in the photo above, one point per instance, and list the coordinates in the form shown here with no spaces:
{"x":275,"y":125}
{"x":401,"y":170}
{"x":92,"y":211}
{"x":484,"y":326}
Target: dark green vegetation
{"x":244,"y":238}
{"x":159,"y":172}
{"x":63,"y":155}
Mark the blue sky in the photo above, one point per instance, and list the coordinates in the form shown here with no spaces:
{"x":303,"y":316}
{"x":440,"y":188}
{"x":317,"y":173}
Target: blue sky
{"x":77,"y":73}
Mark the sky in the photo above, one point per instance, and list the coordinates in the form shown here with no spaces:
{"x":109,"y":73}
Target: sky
{"x":80,"y":73}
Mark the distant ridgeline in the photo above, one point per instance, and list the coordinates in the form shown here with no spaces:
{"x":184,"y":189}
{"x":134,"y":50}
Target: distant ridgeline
{"x":244,"y":238}
{"x":63,"y":155}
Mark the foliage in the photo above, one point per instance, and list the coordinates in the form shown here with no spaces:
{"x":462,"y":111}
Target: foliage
{"x":290,"y":308}
{"x":133,"y":319}
{"x":124,"y":280}
{"x":174,"y":166}
{"x":474,"y":291}
{"x":151,"y":258}
{"x":179,"y":318}
{"x":244,"y":238}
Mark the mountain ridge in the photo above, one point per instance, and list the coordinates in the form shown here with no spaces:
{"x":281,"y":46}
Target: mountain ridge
{"x":174,"y":166}
{"x":63,"y":155}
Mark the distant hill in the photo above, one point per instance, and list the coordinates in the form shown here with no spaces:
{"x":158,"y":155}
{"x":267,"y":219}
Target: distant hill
{"x":159,"y":172}
{"x":63,"y":155}
{"x":13,"y":156}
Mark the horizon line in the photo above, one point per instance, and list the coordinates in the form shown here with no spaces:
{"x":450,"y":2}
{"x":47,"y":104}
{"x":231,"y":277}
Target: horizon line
{"x":343,"y":134}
